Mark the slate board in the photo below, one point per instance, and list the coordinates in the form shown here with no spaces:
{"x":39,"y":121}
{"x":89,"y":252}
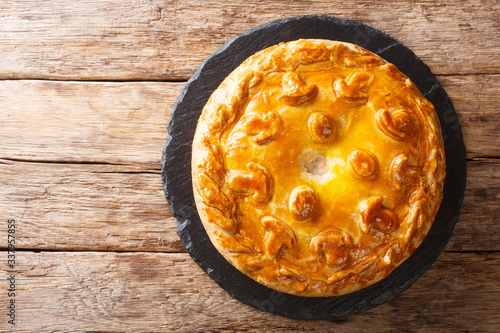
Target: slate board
{"x":176,"y":167}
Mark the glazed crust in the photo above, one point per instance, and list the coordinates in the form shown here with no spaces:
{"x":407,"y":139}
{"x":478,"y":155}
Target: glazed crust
{"x":317,"y":167}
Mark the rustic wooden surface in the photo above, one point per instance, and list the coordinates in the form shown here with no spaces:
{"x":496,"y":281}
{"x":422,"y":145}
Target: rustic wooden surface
{"x":86,"y":90}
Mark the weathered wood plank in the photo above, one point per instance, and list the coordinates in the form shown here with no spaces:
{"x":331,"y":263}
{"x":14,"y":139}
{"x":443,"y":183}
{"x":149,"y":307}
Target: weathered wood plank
{"x":87,"y":207}
{"x":125,"y":123}
{"x":85,"y":122}
{"x":475,"y":98}
{"x":123,"y":208}
{"x":166,"y":39}
{"x":480,"y":216}
{"x":157,"y":292}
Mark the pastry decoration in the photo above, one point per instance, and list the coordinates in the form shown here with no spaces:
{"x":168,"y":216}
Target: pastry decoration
{"x":374,"y":214}
{"x":400,"y":173}
{"x":302,"y":203}
{"x":353,"y":89}
{"x":362,"y":164}
{"x":295,"y":91}
{"x":279,"y":236}
{"x":395,"y":123}
{"x":254,"y":182}
{"x":321,"y":128}
{"x":262,"y":127}
{"x":331,"y":247}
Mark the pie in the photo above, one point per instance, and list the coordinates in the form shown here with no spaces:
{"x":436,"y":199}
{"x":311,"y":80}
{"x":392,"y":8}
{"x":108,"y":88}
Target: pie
{"x":317,"y":167}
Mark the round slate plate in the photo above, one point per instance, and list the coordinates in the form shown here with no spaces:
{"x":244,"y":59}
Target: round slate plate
{"x":176,"y":167}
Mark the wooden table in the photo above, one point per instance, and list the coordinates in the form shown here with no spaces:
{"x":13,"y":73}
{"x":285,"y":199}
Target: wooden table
{"x":86,"y":90}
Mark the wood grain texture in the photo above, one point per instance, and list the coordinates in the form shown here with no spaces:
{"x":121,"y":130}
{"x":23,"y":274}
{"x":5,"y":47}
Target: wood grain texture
{"x":475,"y":98}
{"x":480,"y":216}
{"x":125,"y":123}
{"x":123,"y":208}
{"x":146,"y":292}
{"x":98,"y":122}
{"x":166,"y":39}
{"x":87,"y":207}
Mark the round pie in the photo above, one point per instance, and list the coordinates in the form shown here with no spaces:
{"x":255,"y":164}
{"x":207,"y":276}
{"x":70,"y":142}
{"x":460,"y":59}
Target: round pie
{"x":317,"y":167}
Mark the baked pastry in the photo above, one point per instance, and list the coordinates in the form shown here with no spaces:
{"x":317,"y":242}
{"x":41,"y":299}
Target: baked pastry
{"x":317,"y":167}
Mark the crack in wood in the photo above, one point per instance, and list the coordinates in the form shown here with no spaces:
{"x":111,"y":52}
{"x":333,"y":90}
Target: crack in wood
{"x":183,"y":79}
{"x":150,"y":170}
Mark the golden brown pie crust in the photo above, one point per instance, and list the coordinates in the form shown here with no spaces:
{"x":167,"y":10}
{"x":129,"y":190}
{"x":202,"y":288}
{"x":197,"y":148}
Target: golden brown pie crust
{"x":317,"y":167}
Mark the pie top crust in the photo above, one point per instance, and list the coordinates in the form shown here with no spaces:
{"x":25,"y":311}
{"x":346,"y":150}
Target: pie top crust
{"x":317,"y":167}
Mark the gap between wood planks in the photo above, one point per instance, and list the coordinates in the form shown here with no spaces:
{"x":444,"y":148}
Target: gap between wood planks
{"x":176,"y":79}
{"x":157,"y":170}
{"x":169,"y":252}
{"x":172,"y":80}
{"x":151,"y":170}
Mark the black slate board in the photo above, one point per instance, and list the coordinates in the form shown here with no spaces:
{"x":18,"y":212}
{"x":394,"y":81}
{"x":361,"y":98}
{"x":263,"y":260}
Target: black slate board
{"x":176,"y":167}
